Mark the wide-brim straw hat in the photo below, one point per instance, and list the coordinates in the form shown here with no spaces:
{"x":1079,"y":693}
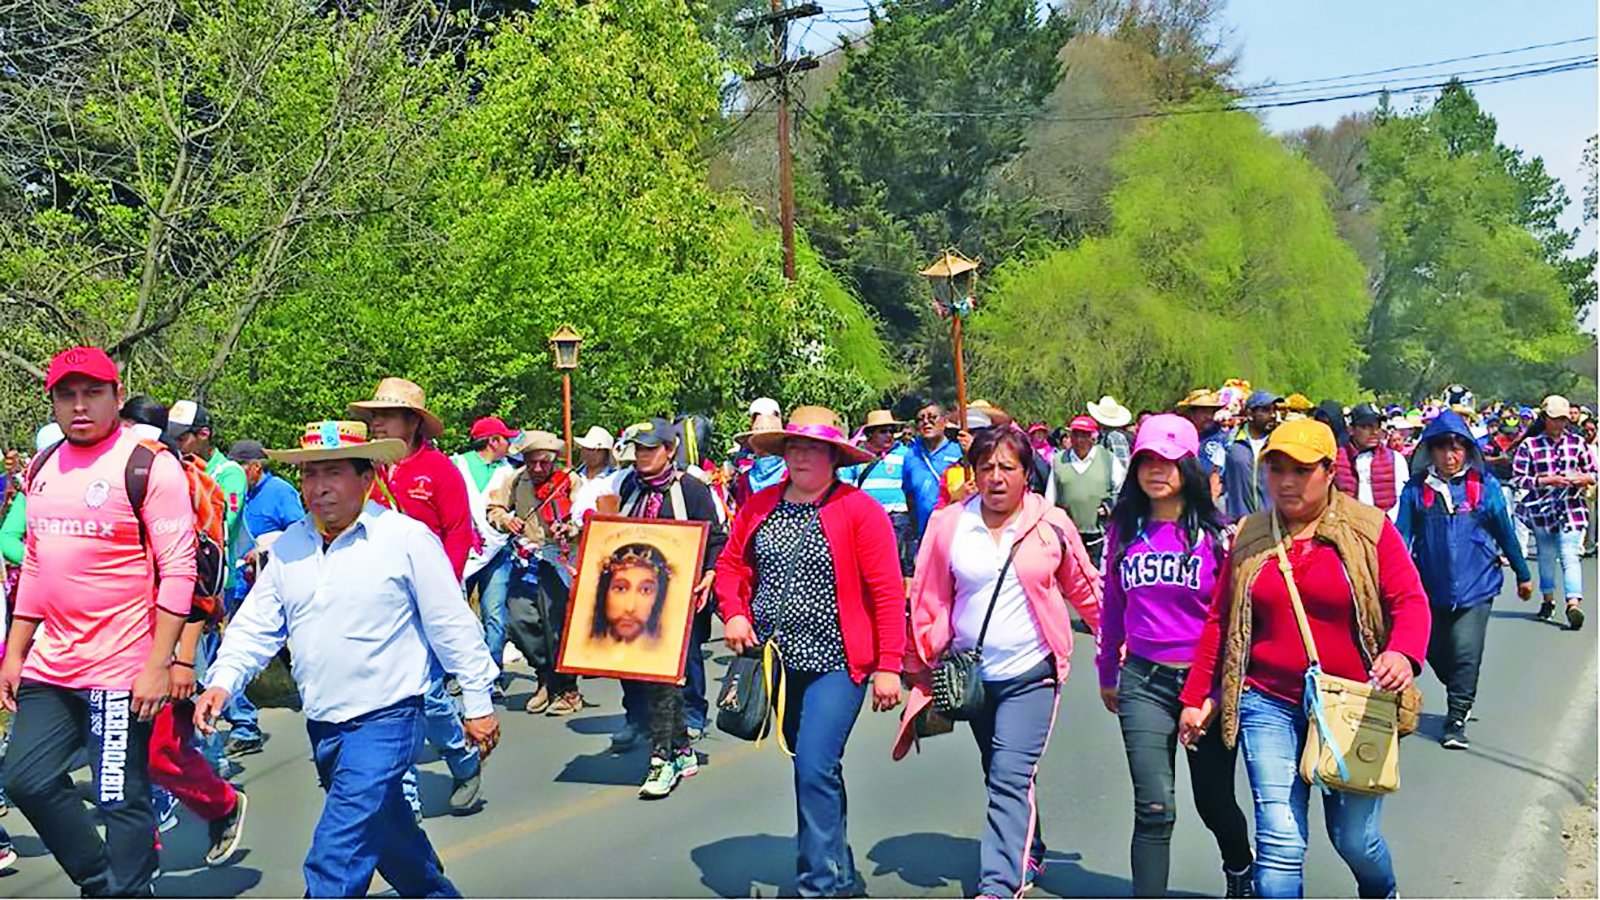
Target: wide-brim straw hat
{"x":763,"y":422}
{"x":1201,"y":398}
{"x":880,"y":418}
{"x":340,"y":439}
{"x":814,"y":423}
{"x":1110,"y":413}
{"x":398,"y":393}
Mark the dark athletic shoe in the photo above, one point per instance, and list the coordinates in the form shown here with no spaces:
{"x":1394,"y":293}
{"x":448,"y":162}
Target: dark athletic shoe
{"x":1455,"y":735}
{"x":226,"y":832}
{"x":1574,"y":616}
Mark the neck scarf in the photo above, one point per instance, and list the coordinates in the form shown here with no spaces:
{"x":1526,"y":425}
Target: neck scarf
{"x":655,"y":488}
{"x":765,"y":472}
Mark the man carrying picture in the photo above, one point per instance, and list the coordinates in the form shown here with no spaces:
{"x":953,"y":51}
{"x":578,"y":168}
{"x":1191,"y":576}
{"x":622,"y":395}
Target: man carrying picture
{"x":655,"y":489}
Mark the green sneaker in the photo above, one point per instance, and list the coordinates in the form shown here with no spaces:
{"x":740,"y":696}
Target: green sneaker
{"x":662,"y":779}
{"x":688,"y":763}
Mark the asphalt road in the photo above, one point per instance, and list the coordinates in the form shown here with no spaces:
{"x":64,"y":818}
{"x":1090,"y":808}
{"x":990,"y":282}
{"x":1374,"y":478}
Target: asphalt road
{"x":562,"y":817}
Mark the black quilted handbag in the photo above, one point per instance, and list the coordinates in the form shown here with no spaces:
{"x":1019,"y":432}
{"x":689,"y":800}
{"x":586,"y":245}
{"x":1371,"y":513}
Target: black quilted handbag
{"x":958,"y":678}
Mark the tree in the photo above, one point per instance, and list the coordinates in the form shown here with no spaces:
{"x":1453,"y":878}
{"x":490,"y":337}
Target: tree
{"x":188,"y":157}
{"x":906,"y":143}
{"x":1183,"y":42}
{"x":1475,"y":284}
{"x":573,"y":193}
{"x":1341,"y":153}
{"x":1221,"y":261}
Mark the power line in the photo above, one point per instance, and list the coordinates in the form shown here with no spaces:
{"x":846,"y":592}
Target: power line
{"x":1262,"y":102}
{"x":1441,"y":62}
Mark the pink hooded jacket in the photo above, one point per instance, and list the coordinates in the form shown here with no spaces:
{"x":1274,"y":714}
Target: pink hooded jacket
{"x":1052,"y":567}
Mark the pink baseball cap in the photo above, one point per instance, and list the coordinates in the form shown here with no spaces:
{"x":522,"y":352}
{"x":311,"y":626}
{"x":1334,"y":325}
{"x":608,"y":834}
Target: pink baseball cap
{"x":1084,"y":423}
{"x":1167,"y":436}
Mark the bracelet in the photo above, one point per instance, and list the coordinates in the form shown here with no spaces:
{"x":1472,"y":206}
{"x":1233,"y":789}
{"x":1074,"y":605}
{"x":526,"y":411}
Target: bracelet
{"x":186,"y":665}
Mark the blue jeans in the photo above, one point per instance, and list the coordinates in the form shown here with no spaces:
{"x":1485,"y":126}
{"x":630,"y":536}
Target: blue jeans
{"x":1018,"y":716}
{"x":442,"y":727}
{"x":822,"y":710}
{"x":1273,"y":733}
{"x":365,"y":826}
{"x":1563,"y":549}
{"x":694,"y":672}
{"x":240,"y":713}
{"x":492,"y":582}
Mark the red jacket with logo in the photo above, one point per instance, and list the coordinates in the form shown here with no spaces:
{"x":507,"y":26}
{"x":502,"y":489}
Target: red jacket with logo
{"x":429,"y":488}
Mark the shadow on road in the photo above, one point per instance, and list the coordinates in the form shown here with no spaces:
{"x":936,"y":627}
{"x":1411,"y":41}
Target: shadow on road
{"x":938,"y":862}
{"x":596,"y":724}
{"x":1431,"y":726}
{"x":742,"y":866}
{"x":627,"y":769}
{"x":224,"y":881}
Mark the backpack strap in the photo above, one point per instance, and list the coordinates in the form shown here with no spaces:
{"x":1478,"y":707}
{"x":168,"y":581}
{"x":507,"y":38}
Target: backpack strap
{"x":136,"y":479}
{"x":39,"y":460}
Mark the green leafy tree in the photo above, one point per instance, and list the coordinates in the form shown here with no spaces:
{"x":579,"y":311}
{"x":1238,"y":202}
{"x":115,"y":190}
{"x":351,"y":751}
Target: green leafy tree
{"x":905,"y":146}
{"x":1476,"y":283}
{"x":1221,"y":261}
{"x":573,"y":194}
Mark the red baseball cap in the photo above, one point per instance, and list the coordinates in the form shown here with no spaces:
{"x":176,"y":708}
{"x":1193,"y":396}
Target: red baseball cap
{"x":1084,"y":423}
{"x":90,"y":361}
{"x":492,"y":426}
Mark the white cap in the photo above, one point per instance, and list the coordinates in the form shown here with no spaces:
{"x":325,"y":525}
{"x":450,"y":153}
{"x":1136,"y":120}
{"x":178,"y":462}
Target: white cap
{"x":183,"y":412}
{"x":766,"y":406}
{"x":1556,"y":406}
{"x":48,"y":436}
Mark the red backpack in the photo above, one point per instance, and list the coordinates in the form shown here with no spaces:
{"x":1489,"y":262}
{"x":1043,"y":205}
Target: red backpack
{"x":210,"y":508}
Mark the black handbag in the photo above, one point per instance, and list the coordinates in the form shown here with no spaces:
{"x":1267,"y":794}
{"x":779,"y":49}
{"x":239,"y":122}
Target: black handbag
{"x":745,"y":703}
{"x":958,"y":678}
{"x":744,"y":709}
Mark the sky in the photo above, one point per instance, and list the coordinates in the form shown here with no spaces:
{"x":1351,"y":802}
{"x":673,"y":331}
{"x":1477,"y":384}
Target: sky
{"x":1296,"y":40}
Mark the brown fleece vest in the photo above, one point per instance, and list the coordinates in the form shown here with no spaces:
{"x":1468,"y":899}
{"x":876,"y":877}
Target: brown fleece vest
{"x":1352,"y":528}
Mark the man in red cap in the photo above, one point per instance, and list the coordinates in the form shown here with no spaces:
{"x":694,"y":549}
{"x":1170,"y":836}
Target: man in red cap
{"x":106,"y":584}
{"x":488,"y":568}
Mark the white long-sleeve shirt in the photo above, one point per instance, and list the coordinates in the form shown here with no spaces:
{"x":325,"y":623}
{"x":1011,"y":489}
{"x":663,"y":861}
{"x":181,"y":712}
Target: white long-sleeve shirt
{"x":362,"y":616}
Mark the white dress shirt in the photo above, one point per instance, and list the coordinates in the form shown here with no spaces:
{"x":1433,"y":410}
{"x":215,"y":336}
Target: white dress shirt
{"x":363,"y":618}
{"x":1013,"y":644}
{"x":1363,"y":467}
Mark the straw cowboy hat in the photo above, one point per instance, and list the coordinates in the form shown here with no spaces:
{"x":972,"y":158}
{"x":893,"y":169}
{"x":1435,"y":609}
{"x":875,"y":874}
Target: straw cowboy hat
{"x":880,"y":418}
{"x":596,"y":438}
{"x":1110,"y":413}
{"x":398,"y":393}
{"x":762,"y":422}
{"x":816,"y":423}
{"x":1201,"y":398}
{"x":340,"y":439}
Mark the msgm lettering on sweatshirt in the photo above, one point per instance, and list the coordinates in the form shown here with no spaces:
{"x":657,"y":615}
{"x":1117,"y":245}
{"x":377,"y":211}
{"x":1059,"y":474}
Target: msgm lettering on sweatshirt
{"x":1150,"y":569}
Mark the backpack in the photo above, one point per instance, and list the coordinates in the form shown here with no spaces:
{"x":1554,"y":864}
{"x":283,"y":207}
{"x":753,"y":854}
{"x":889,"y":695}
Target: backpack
{"x":210,"y":507}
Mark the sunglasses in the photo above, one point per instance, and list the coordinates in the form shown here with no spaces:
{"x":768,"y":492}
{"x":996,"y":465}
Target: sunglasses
{"x":929,"y":417}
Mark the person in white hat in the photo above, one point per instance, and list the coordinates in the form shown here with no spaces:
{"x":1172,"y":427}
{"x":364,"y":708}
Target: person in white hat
{"x":1554,"y":466}
{"x":369,"y":600}
{"x":1114,"y":418}
{"x":595,"y":456}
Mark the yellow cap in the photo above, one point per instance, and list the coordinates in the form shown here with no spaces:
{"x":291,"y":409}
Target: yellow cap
{"x":1303,"y":440}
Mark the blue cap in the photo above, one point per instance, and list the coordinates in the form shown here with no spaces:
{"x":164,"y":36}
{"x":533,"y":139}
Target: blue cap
{"x":1262,"y":398}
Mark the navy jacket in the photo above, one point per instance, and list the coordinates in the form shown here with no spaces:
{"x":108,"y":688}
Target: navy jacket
{"x":1244,"y":479}
{"x":1457,"y":550}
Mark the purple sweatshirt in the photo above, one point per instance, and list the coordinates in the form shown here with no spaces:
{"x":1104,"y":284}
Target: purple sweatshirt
{"x":1155,"y":600}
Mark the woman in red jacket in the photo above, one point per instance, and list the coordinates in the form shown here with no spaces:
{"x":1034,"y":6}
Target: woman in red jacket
{"x":811,"y":564}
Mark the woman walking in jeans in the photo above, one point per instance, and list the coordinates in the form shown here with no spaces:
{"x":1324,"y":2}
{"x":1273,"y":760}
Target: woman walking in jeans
{"x":812,"y":564}
{"x":1553,"y":465}
{"x":1000,"y":569}
{"x":1369,"y":618}
{"x":1164,"y":552}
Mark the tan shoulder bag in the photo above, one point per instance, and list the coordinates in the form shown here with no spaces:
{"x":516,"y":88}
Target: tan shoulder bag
{"x":1352,"y":728}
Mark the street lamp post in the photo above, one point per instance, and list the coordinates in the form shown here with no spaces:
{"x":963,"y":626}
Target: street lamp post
{"x":954,"y":280}
{"x":564,"y":343}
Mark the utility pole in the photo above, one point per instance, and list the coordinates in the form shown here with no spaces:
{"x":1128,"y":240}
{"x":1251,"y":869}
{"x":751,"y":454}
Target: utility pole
{"x":780,"y":71}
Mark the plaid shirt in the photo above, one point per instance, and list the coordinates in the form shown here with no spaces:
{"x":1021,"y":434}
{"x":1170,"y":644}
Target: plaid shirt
{"x":1549,"y":508}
